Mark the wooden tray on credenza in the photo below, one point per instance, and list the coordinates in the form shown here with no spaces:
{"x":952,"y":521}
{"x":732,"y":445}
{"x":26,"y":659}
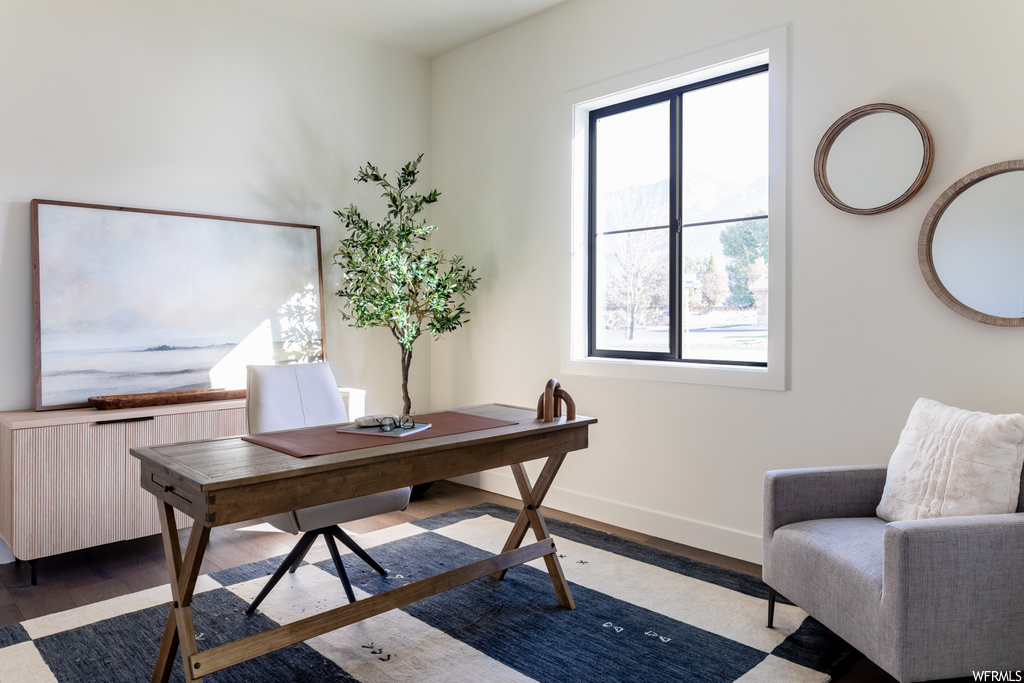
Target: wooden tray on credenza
{"x":163,"y":398}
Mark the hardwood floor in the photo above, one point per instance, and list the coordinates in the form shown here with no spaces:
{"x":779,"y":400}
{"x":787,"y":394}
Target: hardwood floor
{"x":87,"y":576}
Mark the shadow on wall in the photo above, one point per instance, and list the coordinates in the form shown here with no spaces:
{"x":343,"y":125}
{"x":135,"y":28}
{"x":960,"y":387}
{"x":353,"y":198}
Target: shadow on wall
{"x":304,"y":173}
{"x":16,"y":376}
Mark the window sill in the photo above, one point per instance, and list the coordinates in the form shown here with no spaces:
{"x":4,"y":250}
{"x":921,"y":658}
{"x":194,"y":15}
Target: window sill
{"x":738,"y":376}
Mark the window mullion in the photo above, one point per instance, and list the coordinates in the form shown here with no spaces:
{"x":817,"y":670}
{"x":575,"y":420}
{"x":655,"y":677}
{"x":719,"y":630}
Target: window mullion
{"x":677,"y":291}
{"x":592,"y":238}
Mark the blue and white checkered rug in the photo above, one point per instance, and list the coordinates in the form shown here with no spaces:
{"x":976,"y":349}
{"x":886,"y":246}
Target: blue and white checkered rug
{"x":642,"y":615}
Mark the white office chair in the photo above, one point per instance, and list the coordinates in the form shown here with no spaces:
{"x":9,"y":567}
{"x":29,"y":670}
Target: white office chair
{"x":295,"y":396}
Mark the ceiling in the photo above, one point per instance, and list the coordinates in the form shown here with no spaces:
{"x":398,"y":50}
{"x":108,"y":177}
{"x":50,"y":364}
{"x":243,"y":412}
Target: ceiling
{"x":423,"y":27}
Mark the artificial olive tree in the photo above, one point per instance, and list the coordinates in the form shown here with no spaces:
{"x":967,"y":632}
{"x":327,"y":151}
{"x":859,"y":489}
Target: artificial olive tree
{"x":391,"y":277}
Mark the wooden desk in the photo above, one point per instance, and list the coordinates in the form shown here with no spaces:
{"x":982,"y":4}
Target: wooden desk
{"x":222,"y":481}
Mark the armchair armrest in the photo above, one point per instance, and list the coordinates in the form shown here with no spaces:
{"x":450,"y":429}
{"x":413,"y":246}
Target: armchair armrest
{"x":819,"y":493}
{"x":954,"y":580}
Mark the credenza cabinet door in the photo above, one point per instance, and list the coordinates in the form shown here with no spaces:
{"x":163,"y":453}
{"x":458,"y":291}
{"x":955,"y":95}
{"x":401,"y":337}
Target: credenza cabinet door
{"x":73,"y":485}
{"x":69,"y":490}
{"x":142,"y":512}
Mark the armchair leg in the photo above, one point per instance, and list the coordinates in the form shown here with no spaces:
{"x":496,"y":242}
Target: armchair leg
{"x":772,"y":595}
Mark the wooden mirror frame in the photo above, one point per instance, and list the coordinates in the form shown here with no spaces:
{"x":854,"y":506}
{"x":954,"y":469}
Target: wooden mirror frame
{"x":837,"y":128}
{"x":931,"y":222}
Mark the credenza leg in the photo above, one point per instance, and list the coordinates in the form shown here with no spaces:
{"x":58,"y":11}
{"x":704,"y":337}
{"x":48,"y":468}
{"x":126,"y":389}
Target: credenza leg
{"x":31,"y":565}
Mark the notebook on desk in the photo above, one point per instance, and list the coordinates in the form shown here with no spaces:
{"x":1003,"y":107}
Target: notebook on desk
{"x":377,"y":431}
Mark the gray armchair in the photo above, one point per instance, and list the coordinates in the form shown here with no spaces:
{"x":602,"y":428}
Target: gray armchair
{"x":926,"y":599}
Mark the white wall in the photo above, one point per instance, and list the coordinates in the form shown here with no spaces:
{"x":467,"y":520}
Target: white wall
{"x":207,"y":107}
{"x":219,"y":108}
{"x":867,"y":336}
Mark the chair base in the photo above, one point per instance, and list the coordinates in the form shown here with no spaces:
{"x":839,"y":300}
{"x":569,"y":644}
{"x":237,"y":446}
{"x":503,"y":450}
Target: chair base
{"x":772,"y":595}
{"x":294,"y":559}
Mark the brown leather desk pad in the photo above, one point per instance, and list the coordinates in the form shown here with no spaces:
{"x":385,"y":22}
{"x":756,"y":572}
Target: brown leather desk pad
{"x":302,"y":443}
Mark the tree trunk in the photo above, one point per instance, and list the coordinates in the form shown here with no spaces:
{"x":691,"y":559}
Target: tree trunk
{"x":406,"y":362}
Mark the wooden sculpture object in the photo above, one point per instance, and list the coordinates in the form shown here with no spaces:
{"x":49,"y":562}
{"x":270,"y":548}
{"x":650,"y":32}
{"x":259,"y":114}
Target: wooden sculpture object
{"x":549,"y":406}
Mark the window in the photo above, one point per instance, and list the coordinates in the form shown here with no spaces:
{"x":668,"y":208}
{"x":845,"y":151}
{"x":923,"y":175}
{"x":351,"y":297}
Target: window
{"x":679,"y":241}
{"x":678,"y":224}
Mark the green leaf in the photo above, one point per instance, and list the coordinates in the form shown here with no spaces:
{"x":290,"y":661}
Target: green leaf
{"x":390,"y":277}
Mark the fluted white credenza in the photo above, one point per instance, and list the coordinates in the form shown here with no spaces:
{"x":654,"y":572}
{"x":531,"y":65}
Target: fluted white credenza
{"x":67,"y":481}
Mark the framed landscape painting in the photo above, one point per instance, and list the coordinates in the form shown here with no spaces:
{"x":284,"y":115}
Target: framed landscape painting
{"x":135,"y":301}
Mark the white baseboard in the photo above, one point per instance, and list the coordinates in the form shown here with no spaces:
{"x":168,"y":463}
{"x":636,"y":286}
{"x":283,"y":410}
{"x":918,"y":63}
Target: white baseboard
{"x":717,"y":539}
{"x":6,"y":556}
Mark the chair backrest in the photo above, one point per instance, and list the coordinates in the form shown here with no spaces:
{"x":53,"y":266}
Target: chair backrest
{"x":292,"y":396}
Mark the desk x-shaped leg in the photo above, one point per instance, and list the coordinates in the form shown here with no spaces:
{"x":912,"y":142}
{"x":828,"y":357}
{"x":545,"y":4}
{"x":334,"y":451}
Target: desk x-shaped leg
{"x":179,"y":630}
{"x":530,"y":516}
{"x":184,"y":572}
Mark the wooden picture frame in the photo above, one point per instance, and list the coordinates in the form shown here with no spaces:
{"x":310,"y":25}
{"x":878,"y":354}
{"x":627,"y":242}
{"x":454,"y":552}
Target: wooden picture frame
{"x":137,"y":300}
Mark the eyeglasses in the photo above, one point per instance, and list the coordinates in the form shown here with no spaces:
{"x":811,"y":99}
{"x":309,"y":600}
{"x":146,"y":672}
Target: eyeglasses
{"x":388,"y":424}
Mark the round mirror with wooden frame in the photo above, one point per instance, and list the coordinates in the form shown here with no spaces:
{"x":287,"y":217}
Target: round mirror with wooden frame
{"x":971,"y":245}
{"x":873,"y":159}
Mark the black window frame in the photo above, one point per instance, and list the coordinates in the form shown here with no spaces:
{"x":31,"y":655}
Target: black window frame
{"x":675,"y":227}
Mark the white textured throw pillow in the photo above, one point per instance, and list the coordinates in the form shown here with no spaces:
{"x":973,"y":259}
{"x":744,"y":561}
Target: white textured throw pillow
{"x":951,"y":462}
